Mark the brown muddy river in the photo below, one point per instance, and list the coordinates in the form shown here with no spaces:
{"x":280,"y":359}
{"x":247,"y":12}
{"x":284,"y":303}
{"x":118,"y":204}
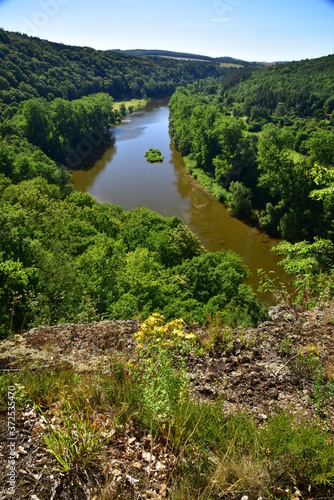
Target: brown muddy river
{"x":123,"y":177}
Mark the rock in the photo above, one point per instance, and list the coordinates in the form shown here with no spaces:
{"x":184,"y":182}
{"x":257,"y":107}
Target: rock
{"x":272,"y":393}
{"x":42,"y":461}
{"x":148,"y":457}
{"x":131,"y":479}
{"x":163,"y":490}
{"x":281,"y":312}
{"x":160,"y":466}
{"x":116,"y":472}
{"x":39,"y":428}
{"x":206,"y":389}
{"x":29,"y":414}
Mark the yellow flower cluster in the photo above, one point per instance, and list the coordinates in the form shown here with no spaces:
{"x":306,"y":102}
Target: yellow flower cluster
{"x":154,"y":329}
{"x":310,"y":350}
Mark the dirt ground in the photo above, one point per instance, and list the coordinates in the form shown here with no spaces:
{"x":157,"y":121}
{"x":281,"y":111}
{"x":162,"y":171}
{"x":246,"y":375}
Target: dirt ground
{"x":261,"y":370}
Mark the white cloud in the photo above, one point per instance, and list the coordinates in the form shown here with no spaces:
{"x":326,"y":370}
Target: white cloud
{"x":221,"y":20}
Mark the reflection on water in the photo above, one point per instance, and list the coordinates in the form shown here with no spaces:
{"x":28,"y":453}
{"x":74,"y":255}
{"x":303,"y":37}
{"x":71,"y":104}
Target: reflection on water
{"x":84,"y":179}
{"x":123,"y":177}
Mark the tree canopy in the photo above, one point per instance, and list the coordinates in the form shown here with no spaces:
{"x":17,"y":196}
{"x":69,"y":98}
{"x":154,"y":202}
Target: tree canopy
{"x":264,"y":142}
{"x":65,"y":257}
{"x":31,"y":67}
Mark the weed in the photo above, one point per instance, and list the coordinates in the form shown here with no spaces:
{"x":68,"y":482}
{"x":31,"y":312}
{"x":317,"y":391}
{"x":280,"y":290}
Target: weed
{"x":74,"y":439}
{"x":322,"y":392}
{"x":154,"y":331}
{"x":162,"y":387}
{"x":286,"y":346}
{"x":274,"y":286}
{"x":234,"y":454}
{"x":306,"y":363}
{"x":39,"y":387}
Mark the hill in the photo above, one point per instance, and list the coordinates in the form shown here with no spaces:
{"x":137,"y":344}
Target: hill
{"x":134,"y":363}
{"x":224,"y":61}
{"x":166,"y":53}
{"x":262,"y":142}
{"x":62,"y":254}
{"x":31,"y":67}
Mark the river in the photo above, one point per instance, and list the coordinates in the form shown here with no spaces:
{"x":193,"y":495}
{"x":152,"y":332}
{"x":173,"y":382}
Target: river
{"x":122,"y":176}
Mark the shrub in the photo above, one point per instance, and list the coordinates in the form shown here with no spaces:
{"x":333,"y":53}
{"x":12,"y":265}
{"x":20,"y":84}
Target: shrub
{"x":154,"y":156}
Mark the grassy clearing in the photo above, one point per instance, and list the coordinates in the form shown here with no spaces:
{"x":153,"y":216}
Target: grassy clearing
{"x":296,"y":157}
{"x":131,"y":105}
{"x":213,"y":454}
{"x":231,"y":65}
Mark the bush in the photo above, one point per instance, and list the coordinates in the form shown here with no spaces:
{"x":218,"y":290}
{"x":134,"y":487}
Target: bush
{"x":239,"y":199}
{"x":154,"y":156}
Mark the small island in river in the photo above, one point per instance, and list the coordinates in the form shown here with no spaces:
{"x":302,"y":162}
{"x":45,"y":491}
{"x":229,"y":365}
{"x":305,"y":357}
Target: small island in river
{"x":154,"y":156}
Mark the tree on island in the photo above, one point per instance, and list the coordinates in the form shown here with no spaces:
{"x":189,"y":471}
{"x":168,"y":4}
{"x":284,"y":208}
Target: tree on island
{"x":154,"y":156}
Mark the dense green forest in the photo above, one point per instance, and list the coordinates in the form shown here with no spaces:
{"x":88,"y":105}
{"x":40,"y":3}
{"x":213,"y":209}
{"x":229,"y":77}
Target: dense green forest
{"x":31,"y":67}
{"x":63,"y":256}
{"x":262,"y":142}
{"x":184,"y":55}
{"x":257,"y":139}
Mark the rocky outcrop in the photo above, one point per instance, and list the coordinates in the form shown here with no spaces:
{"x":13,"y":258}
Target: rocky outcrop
{"x":258,"y":370}
{"x":261,"y":369}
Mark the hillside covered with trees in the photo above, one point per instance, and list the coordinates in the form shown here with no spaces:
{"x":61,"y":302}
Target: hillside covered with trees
{"x":259,"y":140}
{"x":262,"y":142}
{"x":122,"y":375}
{"x":31,"y":67}
{"x":63,"y":256}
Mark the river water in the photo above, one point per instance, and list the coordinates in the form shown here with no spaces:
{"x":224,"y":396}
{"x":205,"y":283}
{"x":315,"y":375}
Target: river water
{"x":122,"y":176}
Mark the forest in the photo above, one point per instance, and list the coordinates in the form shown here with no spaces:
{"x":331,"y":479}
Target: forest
{"x":256,"y":139}
{"x":63,"y":256}
{"x":262,"y":142}
{"x":31,"y":67}
{"x":200,"y":392}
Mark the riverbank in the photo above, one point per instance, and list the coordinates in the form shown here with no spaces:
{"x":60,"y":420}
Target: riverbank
{"x":205,"y":179}
{"x":220,"y":193}
{"x":98,"y":141}
{"x":130,"y":105}
{"x":122,"y":176}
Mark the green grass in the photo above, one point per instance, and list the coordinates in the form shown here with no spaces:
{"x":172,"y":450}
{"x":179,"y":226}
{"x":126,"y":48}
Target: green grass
{"x":130,"y":105}
{"x":205,"y":179}
{"x":215,"y":454}
{"x":295,"y":156}
{"x":74,"y":439}
{"x":231,"y":65}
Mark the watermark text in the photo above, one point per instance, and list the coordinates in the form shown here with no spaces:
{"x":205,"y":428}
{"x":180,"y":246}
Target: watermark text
{"x":12,"y":438}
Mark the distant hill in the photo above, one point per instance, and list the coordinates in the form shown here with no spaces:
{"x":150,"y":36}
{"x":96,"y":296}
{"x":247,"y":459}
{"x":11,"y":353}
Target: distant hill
{"x":166,"y":53}
{"x":185,"y":56}
{"x":31,"y":67}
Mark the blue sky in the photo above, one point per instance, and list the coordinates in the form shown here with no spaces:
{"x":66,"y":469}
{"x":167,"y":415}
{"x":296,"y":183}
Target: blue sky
{"x":253,"y":30}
